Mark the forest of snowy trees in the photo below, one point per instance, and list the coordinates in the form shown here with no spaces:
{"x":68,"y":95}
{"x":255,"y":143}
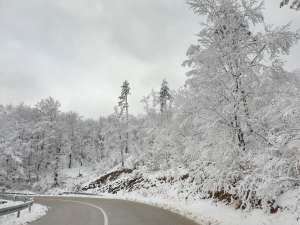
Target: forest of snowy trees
{"x":234,"y":125}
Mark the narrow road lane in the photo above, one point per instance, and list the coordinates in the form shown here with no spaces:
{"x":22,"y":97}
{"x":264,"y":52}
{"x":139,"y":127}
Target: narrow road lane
{"x":93,"y":211}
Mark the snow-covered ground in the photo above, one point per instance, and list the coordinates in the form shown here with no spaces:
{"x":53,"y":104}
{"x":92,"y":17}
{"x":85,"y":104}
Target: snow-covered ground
{"x":208,"y":212}
{"x":167,"y":196}
{"x":69,"y":180}
{"x":170,"y":195}
{"x":9,"y":203}
{"x":37,"y":212}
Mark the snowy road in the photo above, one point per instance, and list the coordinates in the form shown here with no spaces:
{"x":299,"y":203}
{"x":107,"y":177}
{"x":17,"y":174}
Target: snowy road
{"x":89,"y":211}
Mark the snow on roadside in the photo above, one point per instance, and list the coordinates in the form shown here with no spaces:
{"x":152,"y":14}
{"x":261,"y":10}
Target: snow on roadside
{"x":167,"y":196}
{"x":167,"y":190}
{"x":204,"y":212}
{"x":37,"y":211}
{"x":208,"y":212}
{"x":9,"y":203}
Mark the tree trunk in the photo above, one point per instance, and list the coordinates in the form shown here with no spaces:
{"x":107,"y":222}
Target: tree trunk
{"x":236,"y":120}
{"x":127,"y":125}
{"x":70,"y":160}
{"x":122,"y":153}
{"x":56,"y":172}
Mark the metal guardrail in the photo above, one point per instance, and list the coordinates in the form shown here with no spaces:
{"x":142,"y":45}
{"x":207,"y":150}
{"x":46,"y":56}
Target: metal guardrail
{"x":78,"y":193}
{"x":16,"y":193}
{"x":28,"y":202}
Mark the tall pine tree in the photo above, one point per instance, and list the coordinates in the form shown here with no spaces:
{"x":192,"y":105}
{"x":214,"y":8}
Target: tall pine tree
{"x":164,"y":96}
{"x":123,"y":104}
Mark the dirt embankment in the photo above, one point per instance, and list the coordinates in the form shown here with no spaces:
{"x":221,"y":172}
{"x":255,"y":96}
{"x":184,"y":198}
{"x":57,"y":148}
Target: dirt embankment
{"x":129,"y":180}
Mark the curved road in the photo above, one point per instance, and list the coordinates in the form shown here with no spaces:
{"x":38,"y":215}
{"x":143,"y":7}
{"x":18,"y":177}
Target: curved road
{"x":90,"y":211}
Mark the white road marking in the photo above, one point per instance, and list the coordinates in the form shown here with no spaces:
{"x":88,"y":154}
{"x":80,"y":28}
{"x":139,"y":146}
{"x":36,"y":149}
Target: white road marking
{"x":88,"y":204}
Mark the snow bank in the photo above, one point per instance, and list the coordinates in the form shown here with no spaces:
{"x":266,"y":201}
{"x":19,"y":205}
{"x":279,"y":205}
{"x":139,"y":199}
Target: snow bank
{"x":208,"y":212}
{"x":9,"y":203}
{"x":170,"y":191}
{"x":37,"y":211}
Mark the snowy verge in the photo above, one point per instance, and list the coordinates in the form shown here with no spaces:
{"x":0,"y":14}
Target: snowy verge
{"x":9,"y":203}
{"x":37,"y":211}
{"x":208,"y":212}
{"x":176,"y":191}
{"x":204,"y":212}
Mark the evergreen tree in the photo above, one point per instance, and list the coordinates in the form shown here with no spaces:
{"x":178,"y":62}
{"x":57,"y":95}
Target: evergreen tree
{"x":164,"y":96}
{"x":123,"y":104}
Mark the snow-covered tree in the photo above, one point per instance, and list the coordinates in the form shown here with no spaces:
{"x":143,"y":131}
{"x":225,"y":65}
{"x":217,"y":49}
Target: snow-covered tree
{"x":295,"y":4}
{"x":72,"y":131}
{"x":227,"y":62}
{"x":123,"y":104}
{"x":48,"y":108}
{"x":164,"y":96}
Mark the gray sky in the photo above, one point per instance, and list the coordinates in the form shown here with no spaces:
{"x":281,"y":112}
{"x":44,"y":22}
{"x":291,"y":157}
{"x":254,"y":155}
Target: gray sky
{"x":80,"y":51}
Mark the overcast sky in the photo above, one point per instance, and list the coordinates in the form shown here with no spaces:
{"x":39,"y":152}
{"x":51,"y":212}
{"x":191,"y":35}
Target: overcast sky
{"x":80,"y":51}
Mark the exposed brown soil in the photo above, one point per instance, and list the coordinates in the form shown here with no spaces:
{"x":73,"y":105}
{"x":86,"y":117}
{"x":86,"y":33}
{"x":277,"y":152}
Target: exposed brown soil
{"x":237,"y":203}
{"x":112,"y":176}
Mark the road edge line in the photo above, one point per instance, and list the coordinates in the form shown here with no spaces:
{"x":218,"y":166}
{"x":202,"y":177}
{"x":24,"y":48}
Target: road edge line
{"x":88,"y":204}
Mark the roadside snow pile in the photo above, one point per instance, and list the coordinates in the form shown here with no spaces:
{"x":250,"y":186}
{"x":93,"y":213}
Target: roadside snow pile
{"x":37,"y":211}
{"x":6,"y":203}
{"x":209,"y":212}
{"x":177,"y":191}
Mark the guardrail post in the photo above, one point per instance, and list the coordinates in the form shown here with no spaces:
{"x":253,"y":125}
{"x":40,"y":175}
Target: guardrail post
{"x":18,"y":215}
{"x":30,"y":208}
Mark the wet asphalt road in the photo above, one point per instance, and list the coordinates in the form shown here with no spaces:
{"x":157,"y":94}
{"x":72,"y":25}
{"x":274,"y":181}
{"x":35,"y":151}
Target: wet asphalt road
{"x":93,"y":211}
